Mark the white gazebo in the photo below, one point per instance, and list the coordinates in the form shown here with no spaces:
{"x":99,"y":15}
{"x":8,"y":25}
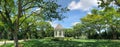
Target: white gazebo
{"x":58,"y":31}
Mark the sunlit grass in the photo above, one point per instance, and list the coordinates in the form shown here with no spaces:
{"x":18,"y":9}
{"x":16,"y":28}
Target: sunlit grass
{"x":70,"y":43}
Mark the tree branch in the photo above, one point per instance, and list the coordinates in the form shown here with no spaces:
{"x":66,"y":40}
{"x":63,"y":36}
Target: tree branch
{"x":27,"y":3}
{"x":7,"y":12}
{"x":23,"y":20}
{"x":3,"y":16}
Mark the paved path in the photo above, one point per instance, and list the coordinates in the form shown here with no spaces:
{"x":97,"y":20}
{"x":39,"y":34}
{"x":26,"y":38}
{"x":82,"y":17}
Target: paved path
{"x":2,"y":42}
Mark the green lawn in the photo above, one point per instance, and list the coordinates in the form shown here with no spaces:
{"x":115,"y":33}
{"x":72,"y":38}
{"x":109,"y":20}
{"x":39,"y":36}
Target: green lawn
{"x":71,"y":43}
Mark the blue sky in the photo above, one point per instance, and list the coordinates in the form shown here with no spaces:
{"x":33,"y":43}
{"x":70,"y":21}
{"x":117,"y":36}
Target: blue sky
{"x":78,"y":9}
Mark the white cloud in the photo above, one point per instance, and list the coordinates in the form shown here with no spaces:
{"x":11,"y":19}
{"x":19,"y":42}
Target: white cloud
{"x":89,"y":12}
{"x":53,"y":24}
{"x":82,"y":5}
{"x":38,"y":9}
{"x":73,"y":24}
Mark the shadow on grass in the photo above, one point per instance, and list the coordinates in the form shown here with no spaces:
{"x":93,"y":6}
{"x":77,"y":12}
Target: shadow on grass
{"x":37,"y":43}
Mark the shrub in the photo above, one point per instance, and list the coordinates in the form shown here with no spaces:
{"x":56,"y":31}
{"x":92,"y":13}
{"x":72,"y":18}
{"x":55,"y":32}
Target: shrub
{"x":68,"y":38}
{"x":57,"y":39}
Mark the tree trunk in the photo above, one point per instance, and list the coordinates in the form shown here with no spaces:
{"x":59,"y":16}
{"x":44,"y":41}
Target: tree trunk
{"x":17,"y":24}
{"x":15,"y":40}
{"x":100,"y":37}
{"x":5,"y":42}
{"x":106,"y":34}
{"x":114,"y":33}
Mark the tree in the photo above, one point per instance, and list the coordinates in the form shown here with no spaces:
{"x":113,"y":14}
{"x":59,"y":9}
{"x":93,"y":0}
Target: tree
{"x":93,"y":21}
{"x":12,"y":11}
{"x":45,"y":29}
{"x":112,"y":11}
{"x":103,"y":20}
{"x":69,"y":32}
{"x":112,"y":18}
{"x":106,"y":3}
{"x":78,"y":29}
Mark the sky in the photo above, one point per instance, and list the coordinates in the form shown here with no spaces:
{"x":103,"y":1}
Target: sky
{"x":78,"y":9}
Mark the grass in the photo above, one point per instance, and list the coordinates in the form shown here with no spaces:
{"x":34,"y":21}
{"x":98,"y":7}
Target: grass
{"x":71,"y":43}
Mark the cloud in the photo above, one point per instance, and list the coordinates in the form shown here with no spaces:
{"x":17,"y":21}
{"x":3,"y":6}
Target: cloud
{"x":38,"y":9}
{"x":53,"y":24}
{"x":89,"y":12}
{"x":84,"y":5}
{"x":73,"y":24}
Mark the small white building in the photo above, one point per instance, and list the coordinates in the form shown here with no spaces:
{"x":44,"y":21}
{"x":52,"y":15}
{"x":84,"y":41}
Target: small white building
{"x":58,"y":32}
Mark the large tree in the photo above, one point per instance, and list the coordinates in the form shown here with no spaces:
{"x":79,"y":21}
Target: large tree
{"x":12,"y":11}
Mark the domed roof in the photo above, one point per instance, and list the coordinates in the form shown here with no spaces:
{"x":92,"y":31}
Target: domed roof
{"x":58,"y":27}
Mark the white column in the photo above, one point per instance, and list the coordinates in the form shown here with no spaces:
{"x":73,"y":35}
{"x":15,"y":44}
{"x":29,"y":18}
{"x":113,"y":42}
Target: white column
{"x":54,"y":33}
{"x":58,"y":34}
{"x":62,"y":34}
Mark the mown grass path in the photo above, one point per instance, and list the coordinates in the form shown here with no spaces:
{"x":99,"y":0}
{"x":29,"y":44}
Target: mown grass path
{"x":7,"y":42}
{"x":70,"y":43}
